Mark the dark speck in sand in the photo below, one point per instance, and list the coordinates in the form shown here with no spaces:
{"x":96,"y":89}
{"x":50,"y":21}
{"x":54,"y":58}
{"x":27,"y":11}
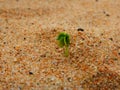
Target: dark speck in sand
{"x":80,"y":29}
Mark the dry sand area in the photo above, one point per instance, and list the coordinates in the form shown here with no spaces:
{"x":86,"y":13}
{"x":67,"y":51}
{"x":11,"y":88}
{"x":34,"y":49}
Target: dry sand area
{"x":30,"y":58}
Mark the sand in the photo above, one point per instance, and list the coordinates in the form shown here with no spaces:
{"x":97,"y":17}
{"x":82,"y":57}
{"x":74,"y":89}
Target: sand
{"x":30,"y":58}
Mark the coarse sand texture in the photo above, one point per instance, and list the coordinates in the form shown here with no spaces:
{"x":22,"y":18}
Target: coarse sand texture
{"x":31,"y":59}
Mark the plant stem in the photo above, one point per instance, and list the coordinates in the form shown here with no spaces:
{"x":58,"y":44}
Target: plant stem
{"x":66,"y":47}
{"x":66,"y":51}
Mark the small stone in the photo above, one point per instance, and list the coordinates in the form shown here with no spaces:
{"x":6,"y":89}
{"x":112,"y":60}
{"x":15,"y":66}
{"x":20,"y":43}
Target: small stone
{"x":24,"y":38}
{"x":4,"y":42}
{"x":38,"y":83}
{"x":80,"y":29}
{"x":32,"y":23}
{"x":111,"y":39}
{"x":31,"y":73}
{"x":101,"y":34}
{"x":115,"y":59}
{"x":53,"y":78}
{"x":44,"y":55}
{"x":107,"y":15}
{"x":15,"y":60}
{"x":69,"y":79}
{"x":54,"y":30}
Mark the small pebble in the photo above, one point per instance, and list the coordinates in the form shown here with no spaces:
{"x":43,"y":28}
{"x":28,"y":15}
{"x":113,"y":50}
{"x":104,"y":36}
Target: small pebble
{"x":31,"y":73}
{"x":111,"y":39}
{"x":107,"y":15}
{"x":80,"y":29}
{"x":24,"y":38}
{"x":32,"y":23}
{"x":101,"y":34}
{"x":69,"y":79}
{"x":115,"y":59}
{"x":38,"y":83}
{"x":4,"y":42}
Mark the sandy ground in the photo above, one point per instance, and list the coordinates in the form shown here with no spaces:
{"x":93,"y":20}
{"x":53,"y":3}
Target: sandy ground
{"x":30,"y":58}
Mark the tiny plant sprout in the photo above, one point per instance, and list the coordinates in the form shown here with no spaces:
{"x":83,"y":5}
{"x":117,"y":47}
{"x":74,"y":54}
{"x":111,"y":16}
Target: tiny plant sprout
{"x":64,"y":41}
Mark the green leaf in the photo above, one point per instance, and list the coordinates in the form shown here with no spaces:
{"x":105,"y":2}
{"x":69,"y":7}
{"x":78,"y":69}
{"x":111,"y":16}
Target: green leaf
{"x":64,"y":40}
{"x":61,"y":35}
{"x":61,"y":42}
{"x":67,"y":40}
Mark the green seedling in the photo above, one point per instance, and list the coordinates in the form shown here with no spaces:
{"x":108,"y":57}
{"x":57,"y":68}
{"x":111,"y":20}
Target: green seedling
{"x":64,"y":41}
